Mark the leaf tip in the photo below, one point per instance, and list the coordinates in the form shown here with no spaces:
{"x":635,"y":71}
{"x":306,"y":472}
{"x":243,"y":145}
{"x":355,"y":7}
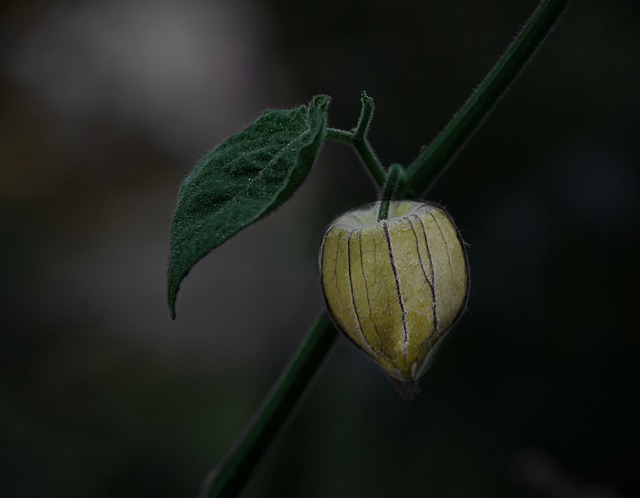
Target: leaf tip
{"x":172,"y":295}
{"x":172,"y":309}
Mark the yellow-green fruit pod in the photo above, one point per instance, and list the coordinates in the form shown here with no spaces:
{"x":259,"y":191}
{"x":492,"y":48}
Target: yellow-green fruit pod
{"x":395,"y":286}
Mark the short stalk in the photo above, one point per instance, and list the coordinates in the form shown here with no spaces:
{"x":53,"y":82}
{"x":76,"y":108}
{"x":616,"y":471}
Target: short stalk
{"x":361,"y":141}
{"x":429,"y":165}
{"x":358,"y":139}
{"x":390,"y":189}
{"x":338,"y":135}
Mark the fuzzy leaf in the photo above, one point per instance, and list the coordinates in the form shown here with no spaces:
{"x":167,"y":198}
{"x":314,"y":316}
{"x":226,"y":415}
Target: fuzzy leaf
{"x":241,"y":180}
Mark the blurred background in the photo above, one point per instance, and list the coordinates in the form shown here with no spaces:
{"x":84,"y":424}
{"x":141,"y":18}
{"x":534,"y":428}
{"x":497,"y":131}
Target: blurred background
{"x":106,"y":106}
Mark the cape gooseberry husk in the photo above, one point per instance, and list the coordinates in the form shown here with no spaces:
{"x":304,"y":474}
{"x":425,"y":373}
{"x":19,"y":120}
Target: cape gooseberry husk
{"x":395,"y":287}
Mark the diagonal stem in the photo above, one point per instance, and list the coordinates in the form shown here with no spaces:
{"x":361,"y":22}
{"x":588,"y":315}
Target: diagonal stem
{"x":358,"y":139}
{"x":229,"y":477}
{"x":364,"y":150}
{"x":423,"y":172}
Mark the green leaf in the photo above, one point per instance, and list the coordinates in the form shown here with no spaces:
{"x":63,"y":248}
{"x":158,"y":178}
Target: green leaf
{"x":241,"y":180}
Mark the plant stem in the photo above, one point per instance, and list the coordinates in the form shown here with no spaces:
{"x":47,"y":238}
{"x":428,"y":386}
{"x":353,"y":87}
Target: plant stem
{"x":358,"y":139}
{"x":394,"y":178}
{"x":228,"y":479}
{"x":338,"y":135}
{"x":429,"y":165}
{"x":364,"y":150}
{"x":361,"y":141}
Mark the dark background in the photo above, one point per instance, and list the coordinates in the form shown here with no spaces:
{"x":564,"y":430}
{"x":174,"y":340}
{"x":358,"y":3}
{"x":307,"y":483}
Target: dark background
{"x":104,"y":108}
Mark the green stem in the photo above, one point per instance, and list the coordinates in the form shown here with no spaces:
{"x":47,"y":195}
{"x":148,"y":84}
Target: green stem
{"x":390,"y":189}
{"x":371,"y":161}
{"x":358,"y":139}
{"x":423,"y":172}
{"x":228,"y":479}
{"x":364,"y":150}
{"x":361,"y":141}
{"x":338,"y":135}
